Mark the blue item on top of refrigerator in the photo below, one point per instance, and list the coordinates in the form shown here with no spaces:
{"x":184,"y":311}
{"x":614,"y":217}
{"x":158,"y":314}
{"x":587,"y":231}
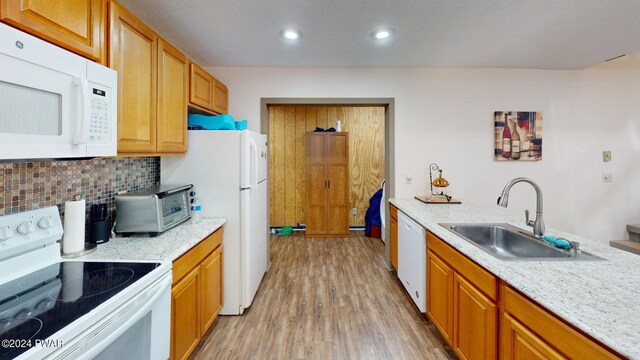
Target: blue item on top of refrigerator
{"x":207,"y":122}
{"x":241,"y":125}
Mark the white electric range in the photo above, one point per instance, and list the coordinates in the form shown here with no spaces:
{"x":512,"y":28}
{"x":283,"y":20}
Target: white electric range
{"x":51,"y":308}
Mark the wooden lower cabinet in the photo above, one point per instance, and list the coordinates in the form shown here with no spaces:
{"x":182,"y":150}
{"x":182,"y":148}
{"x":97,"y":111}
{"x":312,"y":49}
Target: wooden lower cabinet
{"x":461,"y":301}
{"x":394,"y":243}
{"x":474,"y":313}
{"x":528,"y":331}
{"x":475,"y":322}
{"x":185,"y":319}
{"x":440,"y":299}
{"x":196,"y":295}
{"x":393,"y":234}
{"x":519,"y":343}
{"x":211,"y":273}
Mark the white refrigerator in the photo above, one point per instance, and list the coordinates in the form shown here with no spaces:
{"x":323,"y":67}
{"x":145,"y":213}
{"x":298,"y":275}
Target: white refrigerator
{"x":228,"y":170}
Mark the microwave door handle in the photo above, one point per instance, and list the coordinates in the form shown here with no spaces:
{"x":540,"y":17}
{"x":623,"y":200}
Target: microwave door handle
{"x":83,"y":85}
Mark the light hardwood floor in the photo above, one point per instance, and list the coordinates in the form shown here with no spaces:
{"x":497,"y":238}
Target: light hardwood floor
{"x":326,"y":299}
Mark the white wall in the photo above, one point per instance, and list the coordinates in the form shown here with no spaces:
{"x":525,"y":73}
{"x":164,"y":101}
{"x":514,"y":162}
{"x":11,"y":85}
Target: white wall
{"x":446,"y":116}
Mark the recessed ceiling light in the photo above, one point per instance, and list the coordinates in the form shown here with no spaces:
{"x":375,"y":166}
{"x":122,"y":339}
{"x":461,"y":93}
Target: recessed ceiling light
{"x":382,"y":34}
{"x":290,"y":34}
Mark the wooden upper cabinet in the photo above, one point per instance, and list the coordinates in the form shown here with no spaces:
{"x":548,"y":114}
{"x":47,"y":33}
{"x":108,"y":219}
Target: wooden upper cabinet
{"x":206,"y":92}
{"x":173,"y":78}
{"x":201,"y":88}
{"x":76,"y":25}
{"x":133,"y":54}
{"x":220,"y":98}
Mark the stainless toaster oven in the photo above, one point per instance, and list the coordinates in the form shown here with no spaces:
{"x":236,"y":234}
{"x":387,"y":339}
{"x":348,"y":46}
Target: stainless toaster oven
{"x":152,"y":210}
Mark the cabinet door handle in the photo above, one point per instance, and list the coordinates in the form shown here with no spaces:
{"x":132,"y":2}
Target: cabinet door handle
{"x":329,"y":186}
{"x":325,"y":184}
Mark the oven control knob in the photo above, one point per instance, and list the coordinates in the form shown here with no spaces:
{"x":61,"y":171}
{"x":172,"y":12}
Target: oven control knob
{"x":26,"y":227}
{"x":45,"y":222}
{"x":5,"y":232}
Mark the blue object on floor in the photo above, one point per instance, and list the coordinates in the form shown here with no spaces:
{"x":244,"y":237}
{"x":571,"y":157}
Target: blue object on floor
{"x":372,"y":216}
{"x":217,"y":122}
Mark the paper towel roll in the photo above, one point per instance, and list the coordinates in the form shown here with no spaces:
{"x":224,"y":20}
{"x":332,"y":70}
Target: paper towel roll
{"x":74,"y":217}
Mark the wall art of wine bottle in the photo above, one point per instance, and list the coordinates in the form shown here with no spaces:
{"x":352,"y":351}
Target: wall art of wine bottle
{"x":517,"y":135}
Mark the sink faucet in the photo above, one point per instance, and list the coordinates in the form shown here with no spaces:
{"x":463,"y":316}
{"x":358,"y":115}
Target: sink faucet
{"x":538,"y":224}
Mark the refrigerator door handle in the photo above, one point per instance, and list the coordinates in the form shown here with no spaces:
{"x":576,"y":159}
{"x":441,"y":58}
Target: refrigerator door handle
{"x":254,"y":162}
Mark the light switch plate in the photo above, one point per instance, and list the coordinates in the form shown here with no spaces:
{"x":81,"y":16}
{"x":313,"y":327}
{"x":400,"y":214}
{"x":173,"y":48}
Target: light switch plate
{"x":354,"y":211}
{"x":606,"y":156}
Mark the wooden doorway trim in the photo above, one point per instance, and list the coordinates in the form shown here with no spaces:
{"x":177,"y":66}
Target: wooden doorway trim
{"x":389,"y":142}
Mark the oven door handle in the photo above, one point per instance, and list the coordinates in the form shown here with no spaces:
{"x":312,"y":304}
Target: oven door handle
{"x":96,"y":349}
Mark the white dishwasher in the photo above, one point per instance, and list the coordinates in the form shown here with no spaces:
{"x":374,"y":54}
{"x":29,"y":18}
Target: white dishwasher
{"x":412,"y":259}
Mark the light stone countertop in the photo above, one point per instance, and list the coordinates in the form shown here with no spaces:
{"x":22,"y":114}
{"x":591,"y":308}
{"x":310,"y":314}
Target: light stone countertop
{"x":599,"y":297}
{"x":169,"y":245}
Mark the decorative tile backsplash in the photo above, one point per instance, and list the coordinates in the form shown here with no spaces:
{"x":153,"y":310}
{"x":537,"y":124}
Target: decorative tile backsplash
{"x":32,"y":185}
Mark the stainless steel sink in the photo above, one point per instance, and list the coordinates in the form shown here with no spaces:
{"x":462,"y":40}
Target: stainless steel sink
{"x":508,"y":242}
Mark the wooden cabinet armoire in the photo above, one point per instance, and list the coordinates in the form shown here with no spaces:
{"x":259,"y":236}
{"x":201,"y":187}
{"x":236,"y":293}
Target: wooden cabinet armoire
{"x":327,"y":184}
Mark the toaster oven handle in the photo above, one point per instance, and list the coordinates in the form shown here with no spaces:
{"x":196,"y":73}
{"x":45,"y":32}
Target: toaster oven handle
{"x":173,"y":191}
{"x":81,"y":137}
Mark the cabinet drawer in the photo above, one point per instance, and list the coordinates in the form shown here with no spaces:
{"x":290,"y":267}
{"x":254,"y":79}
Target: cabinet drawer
{"x":481,"y":278}
{"x":560,"y":336}
{"x":186,"y":262}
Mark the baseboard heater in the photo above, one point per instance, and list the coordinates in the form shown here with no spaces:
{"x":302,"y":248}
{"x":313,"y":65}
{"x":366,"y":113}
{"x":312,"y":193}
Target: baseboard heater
{"x":304,"y":228}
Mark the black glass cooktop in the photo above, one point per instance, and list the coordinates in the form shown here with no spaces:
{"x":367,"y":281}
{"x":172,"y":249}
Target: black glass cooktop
{"x":37,"y":305}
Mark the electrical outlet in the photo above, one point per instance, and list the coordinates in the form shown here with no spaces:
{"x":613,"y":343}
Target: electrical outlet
{"x":408,"y":179}
{"x":606,"y":156}
{"x":607,"y":177}
{"x":354,"y":211}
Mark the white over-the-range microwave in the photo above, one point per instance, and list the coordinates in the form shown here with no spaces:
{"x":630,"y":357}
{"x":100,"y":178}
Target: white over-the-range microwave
{"x":53,"y":103}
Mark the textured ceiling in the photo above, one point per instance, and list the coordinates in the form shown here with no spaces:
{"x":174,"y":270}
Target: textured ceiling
{"x":547,"y":34}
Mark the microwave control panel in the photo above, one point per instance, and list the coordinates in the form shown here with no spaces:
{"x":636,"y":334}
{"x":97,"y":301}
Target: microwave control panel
{"x":100,"y":121}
